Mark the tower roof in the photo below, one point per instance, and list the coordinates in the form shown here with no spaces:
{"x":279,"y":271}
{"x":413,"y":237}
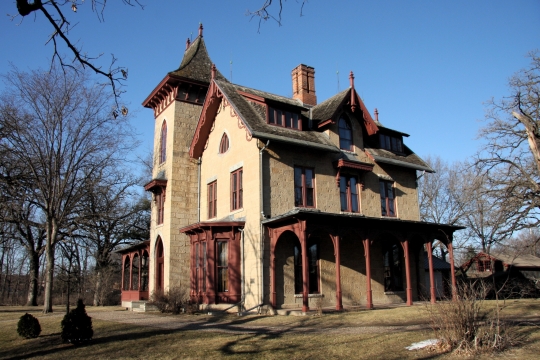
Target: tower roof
{"x":196,"y":63}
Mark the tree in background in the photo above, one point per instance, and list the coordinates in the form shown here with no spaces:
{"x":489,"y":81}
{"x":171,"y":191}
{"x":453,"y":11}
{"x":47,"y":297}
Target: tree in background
{"x":59,"y":125}
{"x":511,"y":157}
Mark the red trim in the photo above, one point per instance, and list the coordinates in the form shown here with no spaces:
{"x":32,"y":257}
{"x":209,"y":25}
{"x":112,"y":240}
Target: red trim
{"x":367,"y":255}
{"x":204,"y":125}
{"x":354,"y":165}
{"x":155,"y":185}
{"x":325,"y":122}
{"x":252,"y":97}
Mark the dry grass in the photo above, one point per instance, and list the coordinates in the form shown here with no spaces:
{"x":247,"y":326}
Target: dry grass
{"x":335,"y":336}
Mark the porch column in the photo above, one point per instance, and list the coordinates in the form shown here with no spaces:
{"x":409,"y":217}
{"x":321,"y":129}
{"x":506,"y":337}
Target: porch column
{"x":130,"y":273}
{"x":408,"y":272}
{"x":369,"y":304}
{"x":452,"y":270}
{"x":337,"y":254}
{"x":431,"y":275}
{"x":140,"y":272}
{"x":305,"y":274}
{"x":211,"y":271}
{"x":273,"y":298}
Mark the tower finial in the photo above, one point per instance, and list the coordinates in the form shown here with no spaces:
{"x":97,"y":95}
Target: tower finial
{"x":188,"y":42}
{"x":213,"y":71}
{"x":200,"y":29}
{"x":351,"y":79}
{"x":376,"y":112}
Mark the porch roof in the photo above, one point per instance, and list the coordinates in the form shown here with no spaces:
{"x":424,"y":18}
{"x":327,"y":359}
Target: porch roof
{"x":361,"y":221}
{"x":140,"y":245}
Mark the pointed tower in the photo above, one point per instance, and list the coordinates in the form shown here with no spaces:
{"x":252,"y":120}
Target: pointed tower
{"x":177,"y":102}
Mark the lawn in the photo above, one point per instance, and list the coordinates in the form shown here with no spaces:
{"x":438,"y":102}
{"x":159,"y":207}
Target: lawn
{"x":377,"y":334}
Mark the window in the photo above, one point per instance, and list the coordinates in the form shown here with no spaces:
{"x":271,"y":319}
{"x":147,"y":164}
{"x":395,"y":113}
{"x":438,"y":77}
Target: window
{"x":286,"y":119}
{"x":236,"y":190}
{"x":160,"y":205}
{"x":304,"y":187}
{"x":388,"y":205}
{"x":144,"y":271}
{"x":224,"y":144}
{"x":313,"y":268}
{"x":135,"y":273}
{"x":393,"y":273}
{"x":212,"y":199}
{"x":127,"y":273}
{"x":392,"y":143}
{"x":200,"y":266}
{"x":345,"y":134}
{"x":484,"y":265}
{"x":348,"y":191}
{"x":163,"y":143}
{"x":222,"y":266}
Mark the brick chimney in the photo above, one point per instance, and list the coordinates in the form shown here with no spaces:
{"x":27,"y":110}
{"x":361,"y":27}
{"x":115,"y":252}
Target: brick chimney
{"x":303,"y":83}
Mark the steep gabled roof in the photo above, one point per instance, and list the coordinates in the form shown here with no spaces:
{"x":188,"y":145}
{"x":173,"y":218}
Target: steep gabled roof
{"x":518,"y":261}
{"x":329,"y":109}
{"x":196,"y":63}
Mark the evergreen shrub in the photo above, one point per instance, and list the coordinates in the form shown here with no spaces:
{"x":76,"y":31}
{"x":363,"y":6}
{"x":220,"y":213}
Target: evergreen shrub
{"x":28,"y":326}
{"x":77,"y":325}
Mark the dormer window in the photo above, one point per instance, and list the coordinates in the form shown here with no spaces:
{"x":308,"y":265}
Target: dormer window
{"x":345,"y":134}
{"x":391,"y":142}
{"x":283,"y":118}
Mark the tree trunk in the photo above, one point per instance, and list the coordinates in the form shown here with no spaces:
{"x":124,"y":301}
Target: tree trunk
{"x":33,"y":275}
{"x":97,"y":290}
{"x":49,"y":272}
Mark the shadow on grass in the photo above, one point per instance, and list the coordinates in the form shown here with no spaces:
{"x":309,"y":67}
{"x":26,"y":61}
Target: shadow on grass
{"x":57,"y":347}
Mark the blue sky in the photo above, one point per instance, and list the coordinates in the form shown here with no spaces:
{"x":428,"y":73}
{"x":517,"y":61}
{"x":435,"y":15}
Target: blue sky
{"x":428,"y":66}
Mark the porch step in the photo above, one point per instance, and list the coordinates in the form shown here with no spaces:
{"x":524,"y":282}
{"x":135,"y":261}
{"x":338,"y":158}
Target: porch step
{"x":289,"y":312}
{"x":142,"y":306}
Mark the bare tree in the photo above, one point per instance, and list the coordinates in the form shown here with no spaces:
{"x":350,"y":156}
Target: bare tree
{"x":112,"y":216}
{"x":58,"y":14}
{"x":272,"y":10}
{"x":511,"y":157}
{"x":59,"y":126}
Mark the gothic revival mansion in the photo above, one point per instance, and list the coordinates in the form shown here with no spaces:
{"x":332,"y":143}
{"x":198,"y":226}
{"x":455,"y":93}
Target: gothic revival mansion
{"x":260,"y":199}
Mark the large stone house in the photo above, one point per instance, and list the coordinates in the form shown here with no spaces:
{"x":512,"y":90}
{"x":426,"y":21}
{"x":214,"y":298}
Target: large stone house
{"x":260,"y":199}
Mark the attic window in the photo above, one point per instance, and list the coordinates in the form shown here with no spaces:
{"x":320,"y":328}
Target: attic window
{"x":392,"y":143}
{"x":484,"y":265}
{"x":282,"y":118}
{"x":224,"y":144}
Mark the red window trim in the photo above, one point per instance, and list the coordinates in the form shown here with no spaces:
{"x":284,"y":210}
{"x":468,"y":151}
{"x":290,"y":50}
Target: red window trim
{"x":212,"y":199}
{"x":160,"y":204}
{"x":237,"y":191}
{"x":349,"y":193}
{"x":224,"y":144}
{"x":283,"y":122}
{"x":303,"y":187}
{"x":386,"y":198}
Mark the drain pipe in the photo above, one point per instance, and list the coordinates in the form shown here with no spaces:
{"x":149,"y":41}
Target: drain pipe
{"x":199,"y":190}
{"x":263,"y":216}
{"x":243,"y":277}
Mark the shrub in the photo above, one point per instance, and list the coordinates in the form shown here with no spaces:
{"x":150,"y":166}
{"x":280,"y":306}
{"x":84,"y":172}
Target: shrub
{"x":28,"y":326}
{"x":467,"y":326}
{"x":77,"y":325}
{"x":172,"y":301}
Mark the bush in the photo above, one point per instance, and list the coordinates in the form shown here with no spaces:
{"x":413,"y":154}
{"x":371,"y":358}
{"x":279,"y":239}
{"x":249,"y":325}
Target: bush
{"x":28,"y":327}
{"x":466,"y":326}
{"x":172,"y":301}
{"x":77,"y":325}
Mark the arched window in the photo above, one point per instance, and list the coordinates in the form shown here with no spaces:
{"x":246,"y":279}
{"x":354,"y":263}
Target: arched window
{"x":345,"y":134}
{"x":135,"y":273}
{"x":159,"y":264}
{"x":127,"y":273}
{"x":224,"y":144}
{"x":144,"y":271}
{"x":163,"y":143}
